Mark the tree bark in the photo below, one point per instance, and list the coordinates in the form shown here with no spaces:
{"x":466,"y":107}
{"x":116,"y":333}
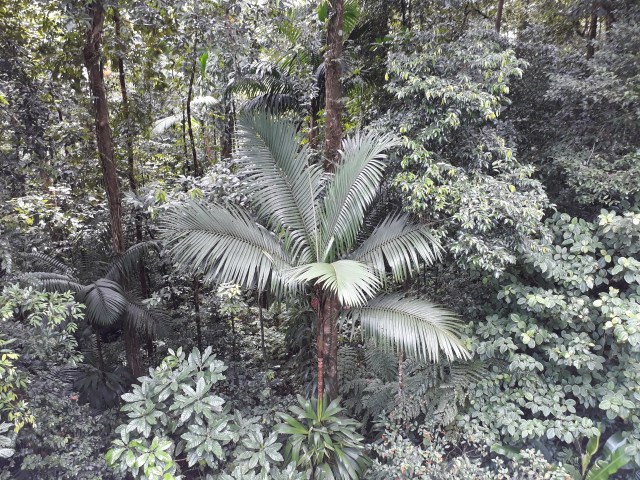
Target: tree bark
{"x":333,"y":86}
{"x":591,"y":34}
{"x":183,"y":124}
{"x":196,"y":167}
{"x":499,"y":15}
{"x":104,"y":137}
{"x":196,"y":306}
{"x":93,"y":64}
{"x":329,"y":306}
{"x":226,"y":142}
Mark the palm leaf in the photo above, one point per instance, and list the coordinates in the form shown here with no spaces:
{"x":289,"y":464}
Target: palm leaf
{"x":398,"y":244}
{"x":51,"y":263}
{"x":105,"y":302}
{"x":224,"y":244}
{"x":126,"y":264}
{"x":150,"y":322}
{"x":416,"y":326}
{"x":165,"y":123}
{"x":54,"y":282}
{"x":352,"y":282}
{"x":283,"y":186}
{"x":352,"y":190}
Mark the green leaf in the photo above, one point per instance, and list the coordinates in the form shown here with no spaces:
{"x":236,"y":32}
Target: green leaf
{"x":418,"y":327}
{"x":351,"y":282}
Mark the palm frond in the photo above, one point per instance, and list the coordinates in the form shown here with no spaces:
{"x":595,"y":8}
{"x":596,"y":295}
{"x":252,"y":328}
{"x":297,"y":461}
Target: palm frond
{"x":274,"y":102}
{"x":416,"y":326}
{"x":105,"y":302}
{"x":205,"y":100}
{"x":54,"y":282}
{"x":283,"y":186}
{"x":126,"y":264}
{"x":399,"y":245}
{"x":352,"y":282}
{"x":224,"y":244}
{"x":51,"y":263}
{"x":166,"y":123}
{"x":150,"y":322}
{"x":352,"y":190}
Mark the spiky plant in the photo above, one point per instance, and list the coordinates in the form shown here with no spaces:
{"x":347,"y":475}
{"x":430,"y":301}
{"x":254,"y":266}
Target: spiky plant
{"x":305,"y":240}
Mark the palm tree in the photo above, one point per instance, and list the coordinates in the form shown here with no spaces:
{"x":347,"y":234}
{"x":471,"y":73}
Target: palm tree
{"x":107,"y":299}
{"x":309,"y":237}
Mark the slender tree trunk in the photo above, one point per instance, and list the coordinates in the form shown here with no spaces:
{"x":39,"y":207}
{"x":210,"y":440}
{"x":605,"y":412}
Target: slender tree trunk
{"x":100,"y":354}
{"x":261,"y":317}
{"x":333,"y":85}
{"x":401,"y":373}
{"x":591,"y":34}
{"x":185,"y":165}
{"x":226,"y":142}
{"x":333,"y":139}
{"x":320,"y":346}
{"x":93,"y":64}
{"x":196,"y":306}
{"x":104,"y":138}
{"x":196,"y":167}
{"x":499,"y":15}
{"x":328,"y":312}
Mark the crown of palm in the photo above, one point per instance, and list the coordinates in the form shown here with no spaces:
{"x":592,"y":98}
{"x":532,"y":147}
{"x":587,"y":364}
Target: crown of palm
{"x":307,"y":231}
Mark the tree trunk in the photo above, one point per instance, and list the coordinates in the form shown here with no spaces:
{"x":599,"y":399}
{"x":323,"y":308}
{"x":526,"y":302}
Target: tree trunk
{"x":104,"y":138}
{"x":226,"y":142}
{"x":93,"y":64}
{"x":196,"y":167}
{"x":196,"y":306}
{"x":591,"y":34}
{"x":185,"y":165}
{"x":499,"y":15}
{"x":333,"y":86}
{"x":328,"y":312}
{"x":261,"y":318}
{"x":329,"y":306}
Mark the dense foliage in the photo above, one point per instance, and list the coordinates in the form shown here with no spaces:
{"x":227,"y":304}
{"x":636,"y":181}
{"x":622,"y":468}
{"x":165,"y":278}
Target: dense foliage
{"x":342,"y":239}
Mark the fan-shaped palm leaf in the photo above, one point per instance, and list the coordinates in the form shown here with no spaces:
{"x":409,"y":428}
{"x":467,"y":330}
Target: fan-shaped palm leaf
{"x":51,"y":263}
{"x":284,"y":187}
{"x":150,"y":322}
{"x":416,"y":326}
{"x":125,"y":265}
{"x":352,"y":282}
{"x":398,"y":244}
{"x":105,"y":302}
{"x":166,"y":123}
{"x":353,"y":189}
{"x":224,"y":244}
{"x":54,"y":281}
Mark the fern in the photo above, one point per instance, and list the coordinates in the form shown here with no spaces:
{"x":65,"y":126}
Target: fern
{"x":431,"y":393}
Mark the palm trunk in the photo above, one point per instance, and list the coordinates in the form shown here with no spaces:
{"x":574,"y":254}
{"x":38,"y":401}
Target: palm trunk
{"x":261,"y":318}
{"x":333,"y":85}
{"x":196,"y":306}
{"x":333,"y":139}
{"x":328,"y":312}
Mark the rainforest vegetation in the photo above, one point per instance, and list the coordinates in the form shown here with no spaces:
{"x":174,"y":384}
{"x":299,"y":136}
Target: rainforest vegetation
{"x":332,"y":239}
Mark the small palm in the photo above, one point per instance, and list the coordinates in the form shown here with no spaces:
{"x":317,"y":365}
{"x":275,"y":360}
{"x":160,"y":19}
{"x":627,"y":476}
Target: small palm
{"x":307,"y":233}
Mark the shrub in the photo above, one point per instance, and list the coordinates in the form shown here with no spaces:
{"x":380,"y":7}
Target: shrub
{"x":563,"y":340}
{"x":324,"y":444}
